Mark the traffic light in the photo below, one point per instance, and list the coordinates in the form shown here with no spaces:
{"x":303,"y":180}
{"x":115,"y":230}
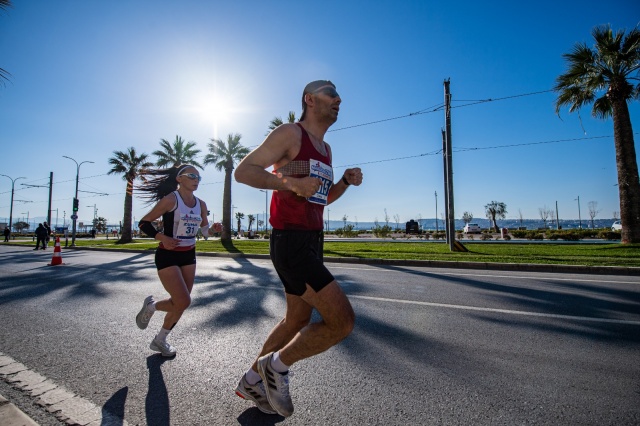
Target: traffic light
{"x":75,"y":204}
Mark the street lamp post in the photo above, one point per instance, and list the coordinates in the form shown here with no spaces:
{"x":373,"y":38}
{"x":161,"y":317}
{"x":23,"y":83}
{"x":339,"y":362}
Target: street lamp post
{"x":232,"y":218}
{"x":436,"y":194}
{"x":56,"y":217}
{"x":13,"y":181}
{"x":28,"y":224}
{"x":266,"y":215}
{"x":579,"y":215}
{"x":74,"y":217}
{"x":95,"y":215}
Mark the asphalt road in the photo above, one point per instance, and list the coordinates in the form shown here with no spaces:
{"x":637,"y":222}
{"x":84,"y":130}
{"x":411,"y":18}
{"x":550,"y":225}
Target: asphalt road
{"x":430,"y":346}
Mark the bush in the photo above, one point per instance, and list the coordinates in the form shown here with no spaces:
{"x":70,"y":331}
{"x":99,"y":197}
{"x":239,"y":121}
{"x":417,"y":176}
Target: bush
{"x":486,"y":236}
{"x":610,"y":235}
{"x":519,"y":234}
{"x":571,"y":236}
{"x":534,"y":235}
{"x":382,"y":231}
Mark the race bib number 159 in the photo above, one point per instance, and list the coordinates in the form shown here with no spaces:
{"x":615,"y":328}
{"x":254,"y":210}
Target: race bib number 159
{"x":320,"y":170}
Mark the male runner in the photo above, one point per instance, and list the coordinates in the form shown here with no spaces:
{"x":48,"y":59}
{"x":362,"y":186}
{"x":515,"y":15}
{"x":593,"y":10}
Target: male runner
{"x":302,"y":184}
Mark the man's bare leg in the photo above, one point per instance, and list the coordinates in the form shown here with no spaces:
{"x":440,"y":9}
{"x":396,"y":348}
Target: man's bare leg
{"x":337,"y":322}
{"x":297,"y":316}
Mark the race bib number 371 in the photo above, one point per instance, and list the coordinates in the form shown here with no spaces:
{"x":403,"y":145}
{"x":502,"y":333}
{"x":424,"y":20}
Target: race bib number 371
{"x":320,"y":170}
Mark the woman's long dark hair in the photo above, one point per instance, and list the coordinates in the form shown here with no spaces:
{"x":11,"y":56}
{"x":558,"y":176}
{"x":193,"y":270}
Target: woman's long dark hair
{"x":158,"y":183}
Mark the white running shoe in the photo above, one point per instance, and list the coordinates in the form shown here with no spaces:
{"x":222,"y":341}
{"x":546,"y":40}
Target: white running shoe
{"x":276,"y":386}
{"x":163,"y":347}
{"x":256,"y":394}
{"x":145,"y":314}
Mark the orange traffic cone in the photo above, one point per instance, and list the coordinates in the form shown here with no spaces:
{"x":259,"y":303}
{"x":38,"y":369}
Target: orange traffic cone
{"x":57,"y":254}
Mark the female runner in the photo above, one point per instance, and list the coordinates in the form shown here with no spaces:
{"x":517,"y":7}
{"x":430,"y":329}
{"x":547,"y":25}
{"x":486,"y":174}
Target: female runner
{"x":182,"y":215}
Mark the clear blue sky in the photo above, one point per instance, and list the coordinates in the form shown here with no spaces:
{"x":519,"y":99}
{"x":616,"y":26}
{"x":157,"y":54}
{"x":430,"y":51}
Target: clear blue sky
{"x":90,"y":77}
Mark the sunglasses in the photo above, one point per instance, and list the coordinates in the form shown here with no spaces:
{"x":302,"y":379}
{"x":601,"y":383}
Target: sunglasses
{"x":329,"y":91}
{"x":192,"y":176}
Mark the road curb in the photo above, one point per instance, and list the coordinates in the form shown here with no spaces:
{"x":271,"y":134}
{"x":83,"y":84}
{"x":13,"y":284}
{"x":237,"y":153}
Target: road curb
{"x":61,"y":403}
{"x":12,"y":415}
{"x":488,"y":266}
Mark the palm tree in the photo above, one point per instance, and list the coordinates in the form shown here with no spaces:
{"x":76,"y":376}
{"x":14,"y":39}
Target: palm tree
{"x":130,"y":165}
{"x":496,"y":209}
{"x":239,"y":217}
{"x":277,"y":121}
{"x":4,"y":75}
{"x":602,"y":76}
{"x":251,"y":219}
{"x":176,"y":154}
{"x":225,"y":157}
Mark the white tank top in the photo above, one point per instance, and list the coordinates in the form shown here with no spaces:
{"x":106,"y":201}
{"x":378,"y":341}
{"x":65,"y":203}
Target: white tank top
{"x":186,"y":222}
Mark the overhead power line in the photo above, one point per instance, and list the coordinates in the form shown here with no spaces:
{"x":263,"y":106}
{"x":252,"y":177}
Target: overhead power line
{"x":478,"y":148}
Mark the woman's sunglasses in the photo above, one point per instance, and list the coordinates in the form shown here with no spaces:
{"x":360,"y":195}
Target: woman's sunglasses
{"x":192,"y":176}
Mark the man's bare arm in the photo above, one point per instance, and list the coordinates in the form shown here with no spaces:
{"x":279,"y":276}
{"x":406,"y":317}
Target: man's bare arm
{"x":279,"y":148}
{"x":352,"y":177}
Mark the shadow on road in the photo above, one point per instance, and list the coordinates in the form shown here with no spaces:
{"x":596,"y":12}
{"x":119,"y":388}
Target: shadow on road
{"x":113,"y":409}
{"x":157,"y":401}
{"x":254,"y":417}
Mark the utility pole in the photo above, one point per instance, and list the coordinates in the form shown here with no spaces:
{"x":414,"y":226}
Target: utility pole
{"x":50,"y":192}
{"x":557,"y":217}
{"x":579,"y":215}
{"x":448,"y":168}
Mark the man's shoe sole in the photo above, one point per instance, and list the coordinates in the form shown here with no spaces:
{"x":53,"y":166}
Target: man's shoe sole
{"x":249,"y":398}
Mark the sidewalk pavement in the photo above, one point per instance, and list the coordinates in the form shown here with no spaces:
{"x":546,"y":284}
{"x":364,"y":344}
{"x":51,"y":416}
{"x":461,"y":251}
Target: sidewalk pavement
{"x":10,"y":415}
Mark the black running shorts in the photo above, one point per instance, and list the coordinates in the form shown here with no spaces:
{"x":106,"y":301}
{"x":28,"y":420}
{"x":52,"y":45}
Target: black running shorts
{"x":166,"y":258}
{"x":297,"y":257}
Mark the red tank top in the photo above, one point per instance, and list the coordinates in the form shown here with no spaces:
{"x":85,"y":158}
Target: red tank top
{"x":289,"y":211}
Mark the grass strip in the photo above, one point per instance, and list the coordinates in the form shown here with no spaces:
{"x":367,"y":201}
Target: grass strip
{"x":587,"y":254}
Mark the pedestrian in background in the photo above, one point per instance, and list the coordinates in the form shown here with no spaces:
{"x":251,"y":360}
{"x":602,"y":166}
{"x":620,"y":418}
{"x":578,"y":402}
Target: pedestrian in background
{"x":41,"y":237}
{"x":183,"y":214}
{"x":48,"y":228}
{"x":7,"y":234}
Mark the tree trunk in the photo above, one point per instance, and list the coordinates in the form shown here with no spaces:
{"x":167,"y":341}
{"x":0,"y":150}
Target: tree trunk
{"x":628,"y":181}
{"x":125,"y":236}
{"x":226,"y":206}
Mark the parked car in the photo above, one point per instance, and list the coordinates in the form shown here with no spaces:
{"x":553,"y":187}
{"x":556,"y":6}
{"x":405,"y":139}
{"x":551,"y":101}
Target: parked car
{"x":617,"y":226}
{"x":472,"y":228}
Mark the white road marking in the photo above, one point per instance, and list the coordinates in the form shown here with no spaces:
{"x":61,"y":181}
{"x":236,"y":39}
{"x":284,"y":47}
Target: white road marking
{"x":494,"y":310}
{"x":462,"y":274}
